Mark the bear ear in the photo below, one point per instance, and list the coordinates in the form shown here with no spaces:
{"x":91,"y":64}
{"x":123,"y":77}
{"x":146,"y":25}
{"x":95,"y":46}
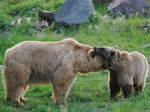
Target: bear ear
{"x":91,"y":53}
{"x":113,"y":53}
{"x":115,"y":47}
{"x":95,"y":49}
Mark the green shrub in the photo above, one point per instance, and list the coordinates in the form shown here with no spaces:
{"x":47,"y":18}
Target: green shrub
{"x":31,"y":8}
{"x":4,"y":22}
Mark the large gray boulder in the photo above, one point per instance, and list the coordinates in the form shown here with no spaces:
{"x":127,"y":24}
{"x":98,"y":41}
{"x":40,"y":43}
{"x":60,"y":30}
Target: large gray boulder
{"x":74,"y":12}
{"x":128,"y":7}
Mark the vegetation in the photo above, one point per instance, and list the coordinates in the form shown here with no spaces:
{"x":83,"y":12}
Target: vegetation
{"x":90,"y":92}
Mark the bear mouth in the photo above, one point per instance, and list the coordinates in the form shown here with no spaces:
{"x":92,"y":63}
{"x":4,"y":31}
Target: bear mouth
{"x":107,"y":65}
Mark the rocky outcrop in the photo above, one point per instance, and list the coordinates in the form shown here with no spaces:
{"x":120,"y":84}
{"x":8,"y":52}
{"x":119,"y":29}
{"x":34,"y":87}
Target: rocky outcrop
{"x":128,"y":7}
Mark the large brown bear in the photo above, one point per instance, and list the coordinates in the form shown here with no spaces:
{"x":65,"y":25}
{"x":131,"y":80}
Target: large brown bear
{"x":33,"y":62}
{"x":127,"y":70}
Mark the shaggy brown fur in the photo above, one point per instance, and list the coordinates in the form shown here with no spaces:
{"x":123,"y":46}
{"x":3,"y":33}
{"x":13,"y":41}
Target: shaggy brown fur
{"x":127,"y":70}
{"x":33,"y":62}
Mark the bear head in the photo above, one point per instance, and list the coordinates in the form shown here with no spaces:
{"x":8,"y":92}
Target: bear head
{"x":110,"y":56}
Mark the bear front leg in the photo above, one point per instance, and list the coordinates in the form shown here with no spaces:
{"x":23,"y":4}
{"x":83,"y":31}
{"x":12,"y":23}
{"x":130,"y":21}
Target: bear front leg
{"x":22,"y":99}
{"x":139,"y":88}
{"x":114,"y":90}
{"x":113,"y":86}
{"x":127,"y":90}
{"x":60,"y":91}
{"x":13,"y":94}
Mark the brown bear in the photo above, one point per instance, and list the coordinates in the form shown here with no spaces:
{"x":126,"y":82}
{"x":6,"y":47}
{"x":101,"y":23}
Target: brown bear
{"x":34,"y":62}
{"x":127,"y":70}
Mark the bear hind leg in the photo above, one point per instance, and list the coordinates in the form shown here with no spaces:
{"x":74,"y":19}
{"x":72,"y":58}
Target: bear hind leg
{"x":127,"y":90}
{"x":14,"y":81}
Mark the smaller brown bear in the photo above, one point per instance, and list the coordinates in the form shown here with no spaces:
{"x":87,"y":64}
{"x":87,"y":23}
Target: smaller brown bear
{"x":127,"y":70}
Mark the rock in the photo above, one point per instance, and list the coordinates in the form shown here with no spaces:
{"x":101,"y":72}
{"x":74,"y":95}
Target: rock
{"x":128,"y":7}
{"x":39,"y":25}
{"x":146,"y":27}
{"x":5,"y":33}
{"x":74,"y":12}
{"x":15,"y":13}
{"x":102,"y":1}
{"x":41,"y":35}
{"x":145,"y":45}
{"x":47,"y":16}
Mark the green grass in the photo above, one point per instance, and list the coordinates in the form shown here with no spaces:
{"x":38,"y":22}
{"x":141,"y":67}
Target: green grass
{"x":90,"y":92}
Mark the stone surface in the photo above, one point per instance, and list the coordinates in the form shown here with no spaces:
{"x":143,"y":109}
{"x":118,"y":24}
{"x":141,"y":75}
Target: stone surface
{"x":145,"y":45}
{"x":128,"y":7}
{"x":145,"y":27}
{"x":102,"y":1}
{"x":74,"y":12}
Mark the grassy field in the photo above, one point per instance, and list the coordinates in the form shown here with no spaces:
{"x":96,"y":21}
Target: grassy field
{"x":90,"y":92}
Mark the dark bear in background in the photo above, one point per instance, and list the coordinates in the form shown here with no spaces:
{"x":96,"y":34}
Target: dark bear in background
{"x":128,"y":7}
{"x":127,"y":70}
